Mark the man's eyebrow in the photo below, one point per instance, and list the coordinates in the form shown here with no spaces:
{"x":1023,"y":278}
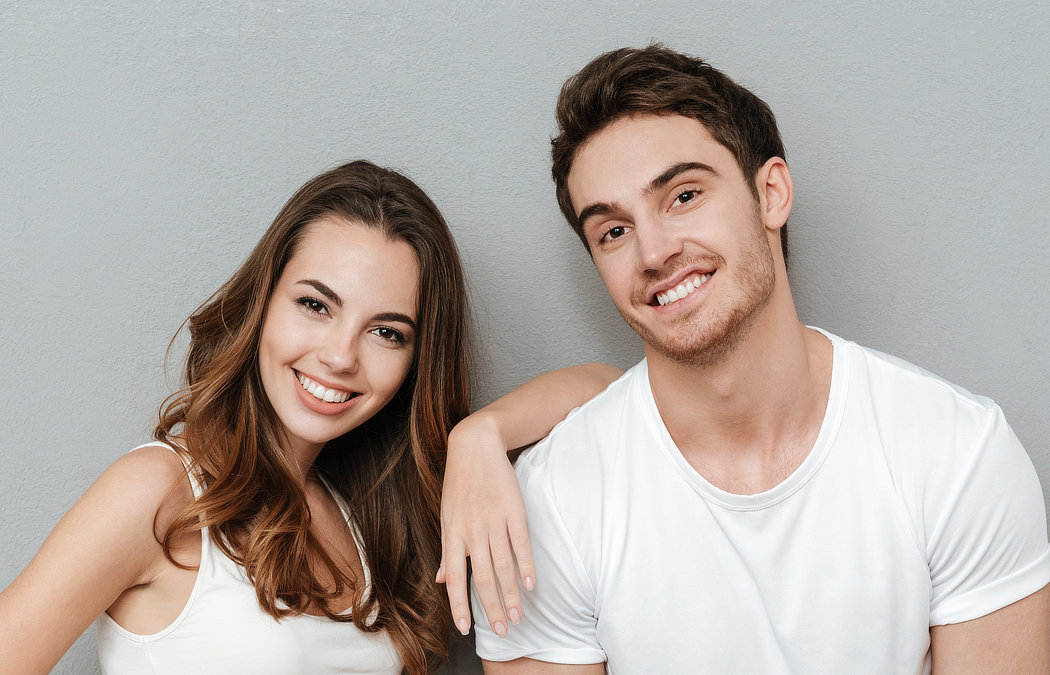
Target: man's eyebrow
{"x":323,"y":290}
{"x":676,"y":170}
{"x":604,"y":208}
{"x":597,"y":209}
{"x":395,"y":317}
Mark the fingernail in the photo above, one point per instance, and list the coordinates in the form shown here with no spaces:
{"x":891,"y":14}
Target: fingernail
{"x":501,"y":630}
{"x":529,"y":583}
{"x":463,"y":625}
{"x":514,"y":614}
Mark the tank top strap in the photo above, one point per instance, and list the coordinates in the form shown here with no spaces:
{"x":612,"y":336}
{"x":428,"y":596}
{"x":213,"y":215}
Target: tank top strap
{"x":354,"y":531}
{"x":183,"y":455}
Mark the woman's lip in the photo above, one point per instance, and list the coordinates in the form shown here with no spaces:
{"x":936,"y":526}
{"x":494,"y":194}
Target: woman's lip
{"x":317,"y":405}
{"x":324,"y":383}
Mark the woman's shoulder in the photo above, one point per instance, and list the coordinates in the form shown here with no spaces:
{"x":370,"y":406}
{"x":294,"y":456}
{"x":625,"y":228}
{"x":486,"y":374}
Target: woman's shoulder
{"x":151,"y":466}
{"x":150,"y":480}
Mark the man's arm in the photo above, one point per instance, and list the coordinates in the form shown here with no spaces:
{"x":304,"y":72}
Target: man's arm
{"x":1014,"y":639}
{"x":530,"y":666}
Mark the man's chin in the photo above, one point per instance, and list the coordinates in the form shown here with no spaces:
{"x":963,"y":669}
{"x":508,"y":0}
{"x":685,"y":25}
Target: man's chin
{"x":693,"y":345}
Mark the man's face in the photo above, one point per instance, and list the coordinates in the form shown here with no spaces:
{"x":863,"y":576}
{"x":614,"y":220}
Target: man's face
{"x":676,"y":234}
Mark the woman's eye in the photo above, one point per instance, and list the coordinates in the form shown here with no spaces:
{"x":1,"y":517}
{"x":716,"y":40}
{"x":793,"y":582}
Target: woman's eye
{"x":313,"y":304}
{"x":388,"y":333}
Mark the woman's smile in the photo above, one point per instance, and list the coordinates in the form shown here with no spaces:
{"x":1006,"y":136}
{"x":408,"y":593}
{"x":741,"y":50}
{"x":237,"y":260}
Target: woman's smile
{"x":322,"y":399}
{"x":339,"y":334}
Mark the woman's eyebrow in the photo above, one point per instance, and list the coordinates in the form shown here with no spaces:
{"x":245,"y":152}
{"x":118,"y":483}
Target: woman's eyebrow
{"x":323,"y":290}
{"x":397,"y":317}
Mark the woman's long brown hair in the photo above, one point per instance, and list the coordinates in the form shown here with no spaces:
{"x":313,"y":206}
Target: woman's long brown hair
{"x":387,"y":469}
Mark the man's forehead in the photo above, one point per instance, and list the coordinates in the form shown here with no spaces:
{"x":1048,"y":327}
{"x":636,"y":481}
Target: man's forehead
{"x":631,"y":153}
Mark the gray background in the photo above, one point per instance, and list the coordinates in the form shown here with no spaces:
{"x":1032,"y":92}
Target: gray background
{"x":145,"y":146}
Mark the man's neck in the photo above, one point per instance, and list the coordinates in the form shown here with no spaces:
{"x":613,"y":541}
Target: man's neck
{"x":746,"y":422}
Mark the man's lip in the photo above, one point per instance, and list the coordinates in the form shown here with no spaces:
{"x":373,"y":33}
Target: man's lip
{"x":679,"y":278}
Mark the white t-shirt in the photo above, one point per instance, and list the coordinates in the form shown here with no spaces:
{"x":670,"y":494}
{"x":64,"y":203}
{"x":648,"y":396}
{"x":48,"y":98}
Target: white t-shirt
{"x":917,"y":506}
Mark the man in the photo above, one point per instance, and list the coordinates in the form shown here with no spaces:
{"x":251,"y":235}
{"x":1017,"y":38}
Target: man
{"x":755,"y":496}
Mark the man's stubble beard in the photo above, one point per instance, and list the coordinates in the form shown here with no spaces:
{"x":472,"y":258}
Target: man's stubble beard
{"x":709,"y":339}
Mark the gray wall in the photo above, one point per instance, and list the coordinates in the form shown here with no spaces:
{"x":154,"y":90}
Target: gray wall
{"x":144,"y":147}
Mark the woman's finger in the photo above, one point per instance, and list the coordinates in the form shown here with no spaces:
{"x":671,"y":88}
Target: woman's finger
{"x":518,"y":532}
{"x":503,"y":566}
{"x":488,"y":591}
{"x":454,"y":567}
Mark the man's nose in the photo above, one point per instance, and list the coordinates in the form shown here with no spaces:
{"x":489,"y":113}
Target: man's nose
{"x":657,"y":243}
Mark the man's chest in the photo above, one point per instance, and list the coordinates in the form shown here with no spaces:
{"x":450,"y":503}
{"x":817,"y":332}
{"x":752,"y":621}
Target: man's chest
{"x":819,"y":582}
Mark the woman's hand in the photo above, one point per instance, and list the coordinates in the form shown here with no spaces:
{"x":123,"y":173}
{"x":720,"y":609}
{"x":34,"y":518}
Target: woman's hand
{"x":483,"y":517}
{"x":482,"y":512}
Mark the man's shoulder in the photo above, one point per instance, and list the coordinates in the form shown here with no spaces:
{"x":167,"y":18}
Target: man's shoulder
{"x":921,"y":421}
{"x":950,"y":454}
{"x":899,"y":385}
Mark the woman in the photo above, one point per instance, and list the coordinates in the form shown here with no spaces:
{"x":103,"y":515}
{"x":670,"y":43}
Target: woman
{"x":286,"y":518}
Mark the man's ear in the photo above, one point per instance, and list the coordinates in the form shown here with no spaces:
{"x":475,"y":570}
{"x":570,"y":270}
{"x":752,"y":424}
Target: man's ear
{"x":775,"y":192}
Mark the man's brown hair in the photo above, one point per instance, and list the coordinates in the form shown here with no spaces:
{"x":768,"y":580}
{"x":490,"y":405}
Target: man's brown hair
{"x":658,"y":81}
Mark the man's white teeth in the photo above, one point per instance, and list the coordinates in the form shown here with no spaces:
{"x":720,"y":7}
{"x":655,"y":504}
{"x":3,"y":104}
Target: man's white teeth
{"x":683,"y":289}
{"x":322,"y":393}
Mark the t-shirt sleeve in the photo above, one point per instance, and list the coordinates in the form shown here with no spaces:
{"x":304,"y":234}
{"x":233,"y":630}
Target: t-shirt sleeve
{"x":558,"y":622}
{"x":986,"y":527}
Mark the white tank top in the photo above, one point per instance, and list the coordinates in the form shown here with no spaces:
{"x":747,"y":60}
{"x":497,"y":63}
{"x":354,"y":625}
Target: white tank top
{"x":222,"y":629}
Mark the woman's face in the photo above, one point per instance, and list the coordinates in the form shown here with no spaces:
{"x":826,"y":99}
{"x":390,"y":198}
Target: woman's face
{"x":340,"y":330}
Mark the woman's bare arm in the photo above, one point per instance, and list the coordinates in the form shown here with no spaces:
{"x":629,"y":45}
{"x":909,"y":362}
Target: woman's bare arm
{"x":482,"y":512}
{"x":101,"y":547}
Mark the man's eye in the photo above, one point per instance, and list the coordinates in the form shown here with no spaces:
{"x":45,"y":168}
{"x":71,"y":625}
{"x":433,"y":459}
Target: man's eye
{"x":685,"y":196}
{"x":615,"y":232}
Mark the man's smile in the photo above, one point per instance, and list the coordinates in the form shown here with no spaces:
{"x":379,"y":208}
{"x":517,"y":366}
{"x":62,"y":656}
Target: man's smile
{"x":683,"y":289}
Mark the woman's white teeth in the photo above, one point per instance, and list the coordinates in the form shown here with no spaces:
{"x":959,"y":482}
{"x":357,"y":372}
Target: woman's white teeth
{"x":323,"y":393}
{"x":681,"y":290}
